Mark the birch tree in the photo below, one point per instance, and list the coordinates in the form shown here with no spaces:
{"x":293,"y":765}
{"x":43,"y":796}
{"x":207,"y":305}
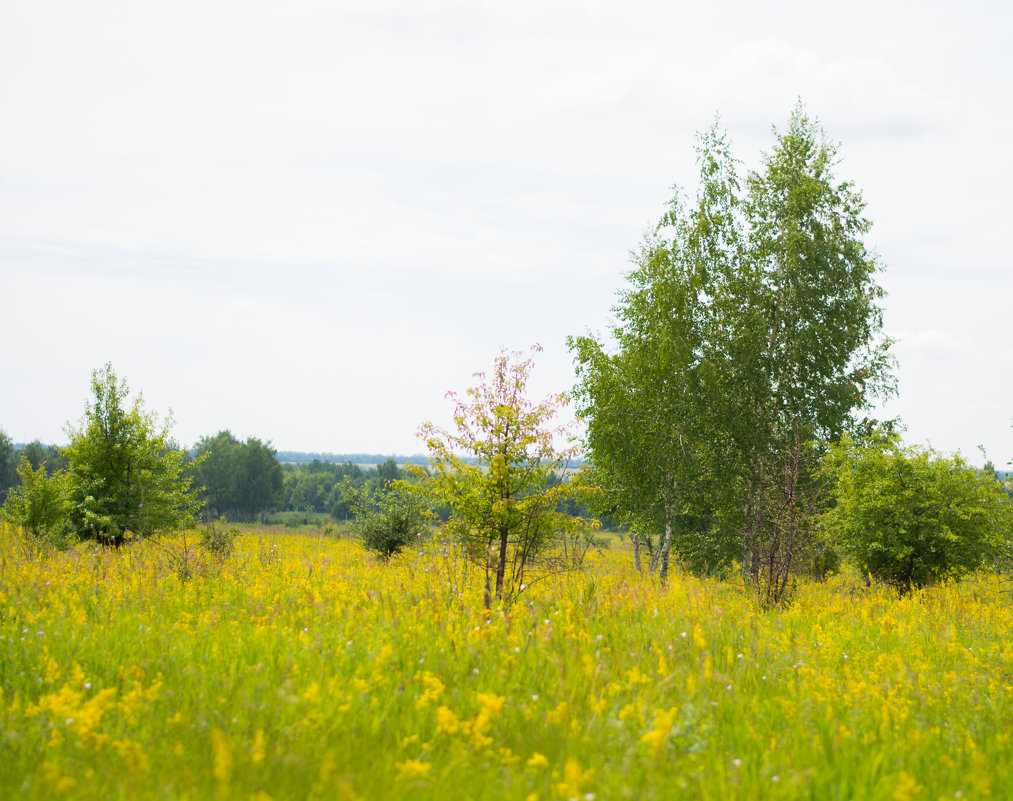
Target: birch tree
{"x":749,"y":338}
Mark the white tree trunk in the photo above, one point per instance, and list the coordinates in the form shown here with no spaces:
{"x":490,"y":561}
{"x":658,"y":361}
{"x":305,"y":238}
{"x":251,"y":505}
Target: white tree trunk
{"x":665,"y":550}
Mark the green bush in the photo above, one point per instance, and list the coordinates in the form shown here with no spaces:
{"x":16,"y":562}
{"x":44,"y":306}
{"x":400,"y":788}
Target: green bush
{"x":219,"y":537}
{"x":910,"y":516}
{"x":389,"y":520}
{"x":40,"y":506}
{"x":128,"y":479}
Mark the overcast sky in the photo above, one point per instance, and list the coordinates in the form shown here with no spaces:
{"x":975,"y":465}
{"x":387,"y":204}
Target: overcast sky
{"x":306,"y":221}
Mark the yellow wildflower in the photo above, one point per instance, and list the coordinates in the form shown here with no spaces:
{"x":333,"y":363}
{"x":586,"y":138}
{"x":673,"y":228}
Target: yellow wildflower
{"x":508,"y":757}
{"x":574,"y":776}
{"x":490,"y":704}
{"x":446,"y":720}
{"x":411,"y":769}
{"x":360,"y":684}
{"x":53,"y":670}
{"x":658,"y":735}
{"x":132,"y":755}
{"x":433,"y":689}
{"x":476,"y":728}
{"x":259,"y":748}
{"x":557,"y":715}
{"x":222,"y":756}
{"x":907,"y":788}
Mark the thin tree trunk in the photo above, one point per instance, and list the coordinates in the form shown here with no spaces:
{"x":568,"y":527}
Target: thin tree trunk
{"x":502,"y":560}
{"x":666,"y":549}
{"x":656,"y":556}
{"x":486,"y":590}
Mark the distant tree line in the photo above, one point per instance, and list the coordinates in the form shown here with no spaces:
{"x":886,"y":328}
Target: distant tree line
{"x":301,"y":457}
{"x":240,"y":480}
{"x":319,"y":486}
{"x":36,"y":452}
{"x":244,"y":481}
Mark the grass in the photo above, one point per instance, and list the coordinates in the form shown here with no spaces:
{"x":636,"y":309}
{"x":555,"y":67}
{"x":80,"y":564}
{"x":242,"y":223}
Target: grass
{"x":301,"y":668}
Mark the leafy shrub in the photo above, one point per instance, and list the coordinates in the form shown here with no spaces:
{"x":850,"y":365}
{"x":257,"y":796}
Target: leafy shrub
{"x":127,"y":478}
{"x":911,"y":516}
{"x":391,"y":519}
{"x":219,"y":538}
{"x":40,"y":506}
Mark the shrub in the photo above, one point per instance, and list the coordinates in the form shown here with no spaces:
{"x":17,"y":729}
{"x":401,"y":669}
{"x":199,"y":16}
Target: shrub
{"x":219,"y":538}
{"x":391,"y":519}
{"x":910,"y":516}
{"x":40,"y":506}
{"x":127,"y":478}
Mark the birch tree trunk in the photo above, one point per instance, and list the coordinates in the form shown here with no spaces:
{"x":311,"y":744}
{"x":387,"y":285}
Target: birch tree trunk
{"x":666,"y":548}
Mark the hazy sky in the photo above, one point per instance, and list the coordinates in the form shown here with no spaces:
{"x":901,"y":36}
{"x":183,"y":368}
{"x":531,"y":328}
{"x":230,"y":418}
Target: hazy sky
{"x":306,"y":221}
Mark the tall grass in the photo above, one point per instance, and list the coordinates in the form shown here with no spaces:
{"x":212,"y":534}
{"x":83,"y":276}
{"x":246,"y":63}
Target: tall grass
{"x":301,"y":668}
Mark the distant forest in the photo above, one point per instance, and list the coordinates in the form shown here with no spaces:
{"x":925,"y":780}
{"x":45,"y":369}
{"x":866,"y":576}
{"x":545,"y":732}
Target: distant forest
{"x":299,"y":457}
{"x":248,"y":480}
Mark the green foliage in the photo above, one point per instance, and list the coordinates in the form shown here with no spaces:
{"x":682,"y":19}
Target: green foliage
{"x":388,"y":472}
{"x":240,"y":480}
{"x":8,"y":465}
{"x":390,"y":519}
{"x":825,"y":563}
{"x":219,"y":537}
{"x":911,"y":516}
{"x":39,"y":455}
{"x":40,"y":505}
{"x":747,"y":340}
{"x":505,"y":505}
{"x":128,"y":479}
{"x":317,"y":486}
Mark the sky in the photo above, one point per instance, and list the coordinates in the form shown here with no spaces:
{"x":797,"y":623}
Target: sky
{"x":307,"y":221}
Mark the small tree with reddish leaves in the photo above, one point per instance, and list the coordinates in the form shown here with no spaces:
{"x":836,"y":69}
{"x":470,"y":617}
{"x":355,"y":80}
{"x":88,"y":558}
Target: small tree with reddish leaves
{"x":505,"y":510}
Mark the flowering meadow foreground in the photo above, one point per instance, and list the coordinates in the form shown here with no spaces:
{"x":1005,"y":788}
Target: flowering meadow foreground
{"x":300,"y":667}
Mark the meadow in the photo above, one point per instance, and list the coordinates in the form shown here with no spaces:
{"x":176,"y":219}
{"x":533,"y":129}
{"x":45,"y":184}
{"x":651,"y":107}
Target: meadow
{"x":301,"y":667}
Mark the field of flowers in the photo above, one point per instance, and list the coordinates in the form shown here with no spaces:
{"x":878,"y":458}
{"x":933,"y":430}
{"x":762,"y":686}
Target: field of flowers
{"x":300,"y":667}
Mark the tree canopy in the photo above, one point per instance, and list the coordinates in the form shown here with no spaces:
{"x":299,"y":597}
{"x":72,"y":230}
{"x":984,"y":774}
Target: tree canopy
{"x":239,"y":480}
